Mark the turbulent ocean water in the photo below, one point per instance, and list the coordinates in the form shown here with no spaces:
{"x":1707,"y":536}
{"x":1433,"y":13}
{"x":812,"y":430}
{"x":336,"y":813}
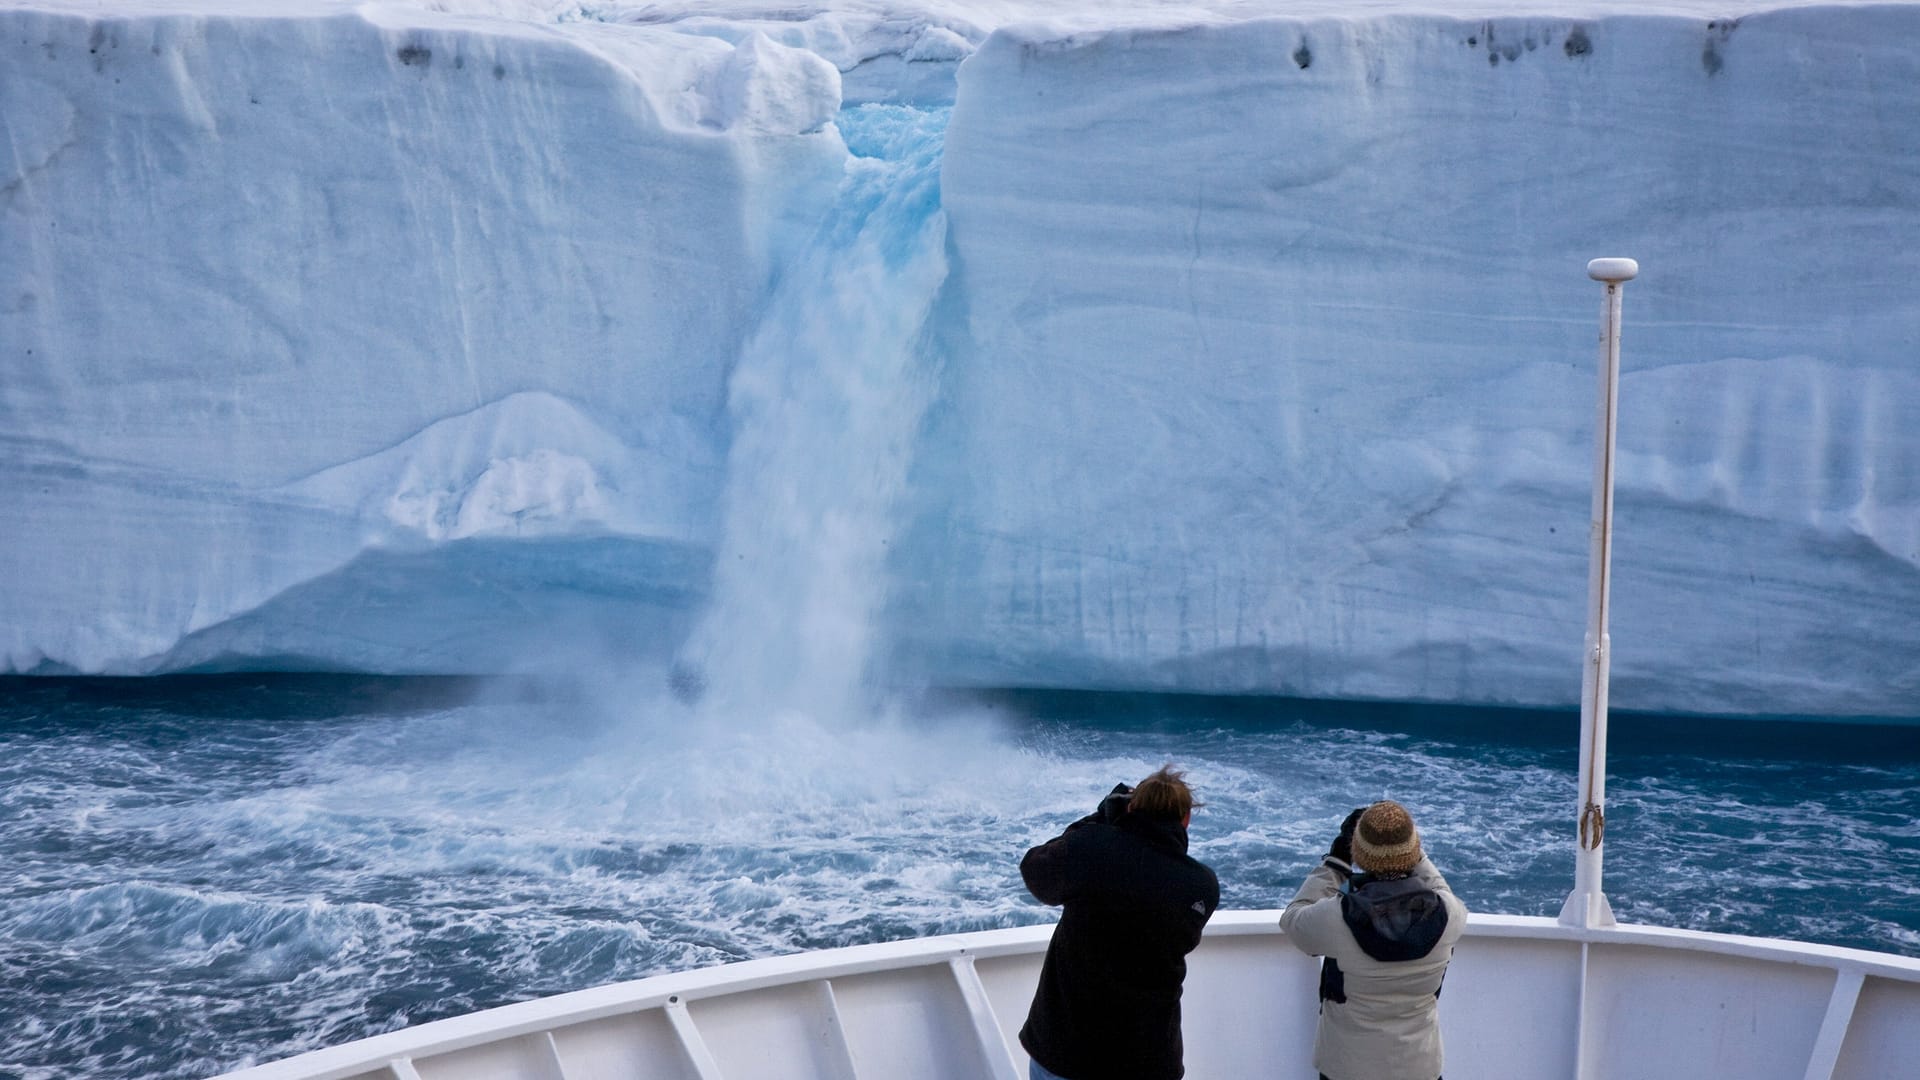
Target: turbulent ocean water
{"x":198,"y":874}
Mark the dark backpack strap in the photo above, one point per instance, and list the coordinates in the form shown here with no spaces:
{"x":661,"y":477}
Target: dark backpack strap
{"x":1333,"y":982}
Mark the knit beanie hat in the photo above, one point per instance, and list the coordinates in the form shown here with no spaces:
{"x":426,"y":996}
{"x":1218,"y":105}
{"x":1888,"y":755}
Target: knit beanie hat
{"x":1385,"y":841}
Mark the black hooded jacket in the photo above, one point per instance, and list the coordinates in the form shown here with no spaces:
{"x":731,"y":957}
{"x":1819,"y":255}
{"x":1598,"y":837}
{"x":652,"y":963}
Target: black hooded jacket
{"x":1108,"y":1004}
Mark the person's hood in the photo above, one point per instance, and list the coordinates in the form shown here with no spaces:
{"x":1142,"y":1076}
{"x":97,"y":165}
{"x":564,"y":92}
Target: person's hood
{"x":1394,"y":919}
{"x":1161,"y":832}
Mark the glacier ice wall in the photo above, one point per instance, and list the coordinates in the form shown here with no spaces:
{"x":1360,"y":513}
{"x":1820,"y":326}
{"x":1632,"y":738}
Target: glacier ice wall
{"x":401,"y":337}
{"x":303,"y":296}
{"x":1275,"y":366}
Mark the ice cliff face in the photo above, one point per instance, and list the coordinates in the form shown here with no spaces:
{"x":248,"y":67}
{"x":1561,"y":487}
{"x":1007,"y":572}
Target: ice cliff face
{"x":1292,"y":312}
{"x":1250,"y":347}
{"x":291,"y":294}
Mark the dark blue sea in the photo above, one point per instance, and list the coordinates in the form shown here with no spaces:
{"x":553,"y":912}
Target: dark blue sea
{"x":202,"y":873}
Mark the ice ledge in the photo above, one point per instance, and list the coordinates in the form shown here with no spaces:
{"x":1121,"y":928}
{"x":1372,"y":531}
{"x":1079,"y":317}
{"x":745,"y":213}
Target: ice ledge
{"x":690,"y":82}
{"x":528,"y":465}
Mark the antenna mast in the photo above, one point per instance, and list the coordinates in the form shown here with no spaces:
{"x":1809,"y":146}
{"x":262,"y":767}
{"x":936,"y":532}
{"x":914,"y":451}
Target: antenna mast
{"x":1587,"y":905}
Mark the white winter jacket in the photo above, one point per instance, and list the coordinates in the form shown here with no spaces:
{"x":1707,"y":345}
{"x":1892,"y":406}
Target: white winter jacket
{"x":1379,"y":1017}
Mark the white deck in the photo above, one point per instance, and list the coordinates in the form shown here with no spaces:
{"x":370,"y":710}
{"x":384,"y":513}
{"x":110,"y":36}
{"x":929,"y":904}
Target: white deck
{"x":1526,"y":997}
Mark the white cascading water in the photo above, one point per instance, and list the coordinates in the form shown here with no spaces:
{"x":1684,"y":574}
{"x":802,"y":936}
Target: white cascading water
{"x":825,"y":403}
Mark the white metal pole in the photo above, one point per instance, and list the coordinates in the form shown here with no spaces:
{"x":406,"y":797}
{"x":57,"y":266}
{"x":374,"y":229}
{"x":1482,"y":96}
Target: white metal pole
{"x":1587,"y":905}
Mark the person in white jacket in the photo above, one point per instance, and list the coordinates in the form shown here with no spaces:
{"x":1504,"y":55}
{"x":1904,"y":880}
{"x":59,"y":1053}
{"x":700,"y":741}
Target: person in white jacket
{"x":1378,"y":911}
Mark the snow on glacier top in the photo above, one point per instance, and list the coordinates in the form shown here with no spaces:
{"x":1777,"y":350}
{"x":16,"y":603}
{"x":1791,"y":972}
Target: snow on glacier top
{"x":848,"y":33}
{"x":976,"y":16}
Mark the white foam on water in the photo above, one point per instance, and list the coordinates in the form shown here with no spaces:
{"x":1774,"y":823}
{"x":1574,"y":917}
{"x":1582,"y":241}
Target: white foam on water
{"x":274,"y":889}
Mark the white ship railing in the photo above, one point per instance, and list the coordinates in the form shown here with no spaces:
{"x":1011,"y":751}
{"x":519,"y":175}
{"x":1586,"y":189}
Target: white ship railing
{"x":1526,"y":997}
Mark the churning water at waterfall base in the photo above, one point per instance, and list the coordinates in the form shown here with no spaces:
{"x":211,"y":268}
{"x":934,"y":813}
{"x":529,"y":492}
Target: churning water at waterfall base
{"x":199,"y":873}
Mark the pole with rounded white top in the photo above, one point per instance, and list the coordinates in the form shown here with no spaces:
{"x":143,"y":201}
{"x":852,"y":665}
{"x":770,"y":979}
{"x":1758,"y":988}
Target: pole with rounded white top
{"x":1587,"y":905}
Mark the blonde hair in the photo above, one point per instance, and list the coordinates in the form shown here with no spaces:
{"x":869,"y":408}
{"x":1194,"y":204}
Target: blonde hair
{"x":1165,"y":794}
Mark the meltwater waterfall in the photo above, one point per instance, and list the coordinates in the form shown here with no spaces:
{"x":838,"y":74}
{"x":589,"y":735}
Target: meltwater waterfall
{"x":825,"y":403}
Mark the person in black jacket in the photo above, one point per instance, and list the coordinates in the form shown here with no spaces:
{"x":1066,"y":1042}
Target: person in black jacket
{"x":1108,"y":1004}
